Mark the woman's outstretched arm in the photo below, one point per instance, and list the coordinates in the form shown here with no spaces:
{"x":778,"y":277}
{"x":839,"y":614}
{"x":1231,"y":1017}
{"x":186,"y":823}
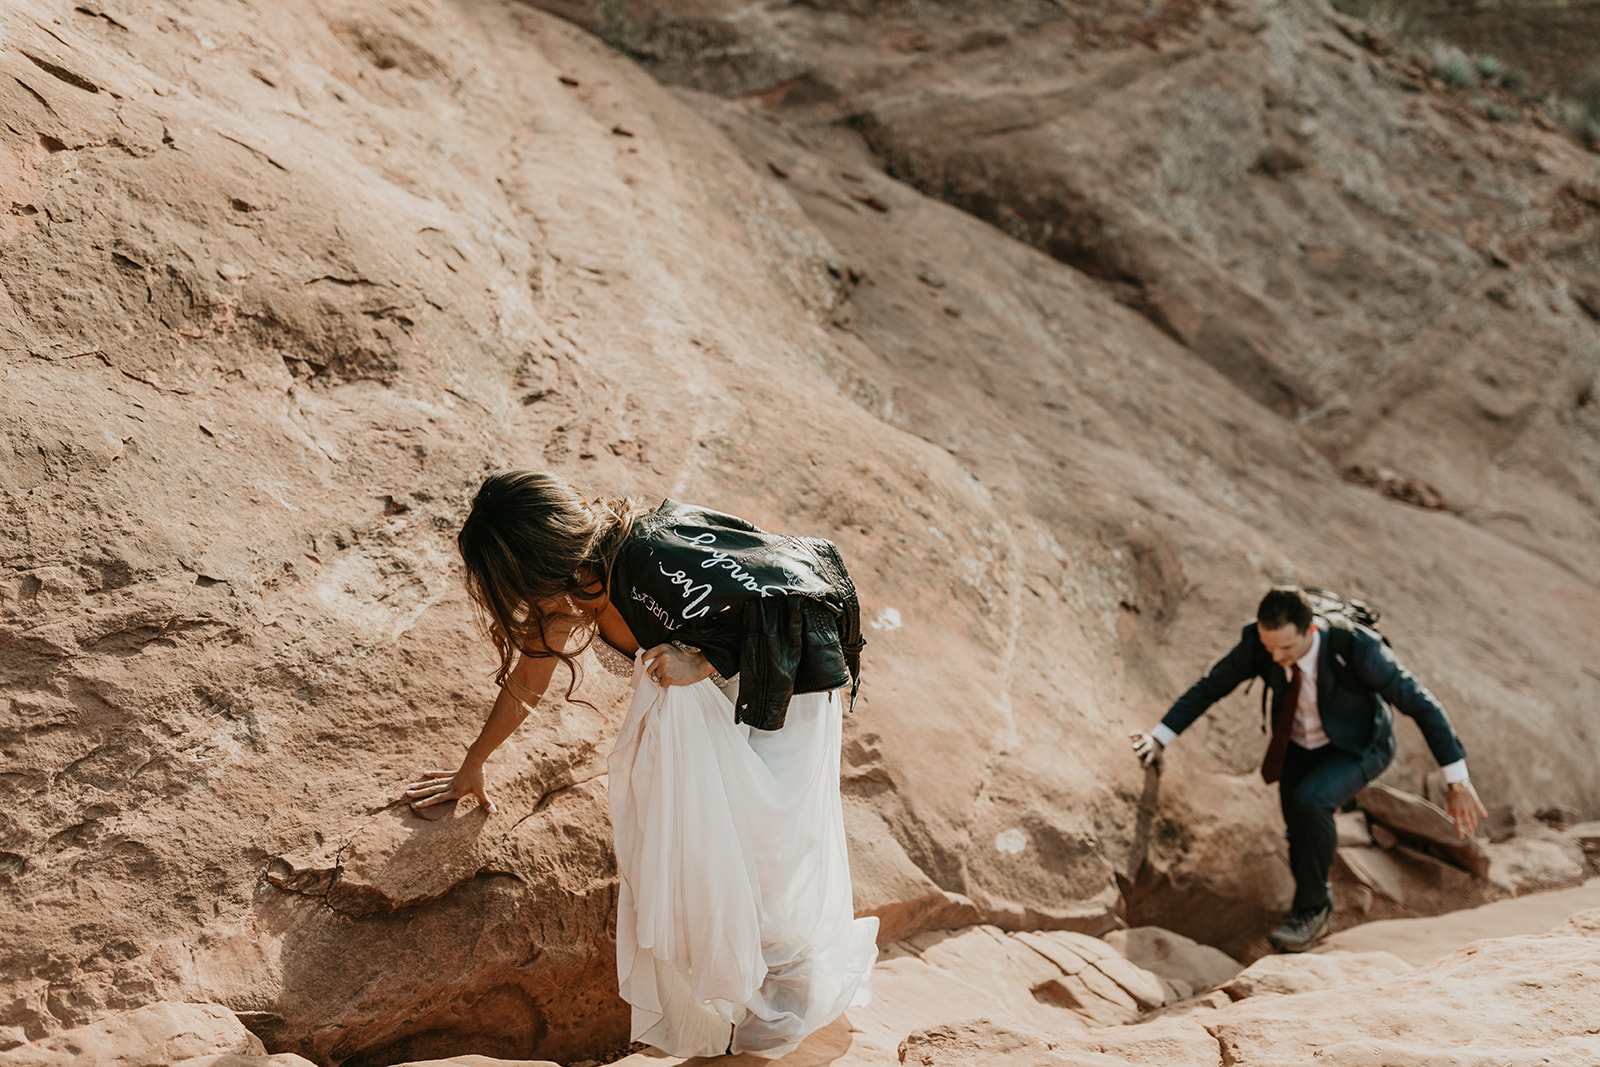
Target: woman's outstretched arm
{"x":523,"y":689}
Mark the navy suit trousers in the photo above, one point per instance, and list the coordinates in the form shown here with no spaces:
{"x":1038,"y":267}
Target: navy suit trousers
{"x":1315,"y":783}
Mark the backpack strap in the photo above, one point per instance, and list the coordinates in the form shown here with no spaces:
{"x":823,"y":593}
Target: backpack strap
{"x":1260,"y":674}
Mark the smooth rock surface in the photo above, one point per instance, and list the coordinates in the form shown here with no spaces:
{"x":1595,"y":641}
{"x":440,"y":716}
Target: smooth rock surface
{"x":1352,"y":829}
{"x":1422,"y":941}
{"x":280,"y":282}
{"x":1173,"y":956}
{"x":1513,"y":1000}
{"x":155,"y":1035}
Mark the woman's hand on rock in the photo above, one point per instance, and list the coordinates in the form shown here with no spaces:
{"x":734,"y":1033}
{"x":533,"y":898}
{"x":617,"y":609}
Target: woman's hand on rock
{"x":671,"y":665}
{"x":436,"y":787}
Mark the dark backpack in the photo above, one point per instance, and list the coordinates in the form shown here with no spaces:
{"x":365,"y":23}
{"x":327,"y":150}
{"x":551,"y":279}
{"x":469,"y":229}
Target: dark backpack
{"x":1344,"y":618}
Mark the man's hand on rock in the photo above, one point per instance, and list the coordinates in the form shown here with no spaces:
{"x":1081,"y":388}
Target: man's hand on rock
{"x":436,"y":787}
{"x":1463,"y":806}
{"x":1148,"y":749}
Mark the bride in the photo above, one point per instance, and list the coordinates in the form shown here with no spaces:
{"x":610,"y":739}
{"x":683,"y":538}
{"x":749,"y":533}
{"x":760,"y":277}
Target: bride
{"x":735,"y":929}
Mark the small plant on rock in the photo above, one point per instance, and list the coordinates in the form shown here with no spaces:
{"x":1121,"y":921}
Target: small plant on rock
{"x":1451,"y":66}
{"x":1496,"y":73}
{"x":1519,"y":81}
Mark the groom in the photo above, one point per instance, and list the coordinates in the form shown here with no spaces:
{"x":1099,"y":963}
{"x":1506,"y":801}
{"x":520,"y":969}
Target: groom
{"x":1331,"y":683}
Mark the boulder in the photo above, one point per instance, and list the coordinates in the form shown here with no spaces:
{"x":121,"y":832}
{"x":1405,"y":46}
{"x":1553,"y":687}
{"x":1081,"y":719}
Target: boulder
{"x":1538,"y":858}
{"x":1407,"y":813}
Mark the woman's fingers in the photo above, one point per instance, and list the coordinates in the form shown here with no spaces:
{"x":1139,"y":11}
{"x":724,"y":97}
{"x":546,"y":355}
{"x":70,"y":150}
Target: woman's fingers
{"x":438,"y":787}
{"x":670,"y":665}
{"x":655,"y":662}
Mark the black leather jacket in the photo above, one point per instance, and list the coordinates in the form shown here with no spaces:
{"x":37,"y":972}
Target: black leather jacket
{"x":781,"y":612}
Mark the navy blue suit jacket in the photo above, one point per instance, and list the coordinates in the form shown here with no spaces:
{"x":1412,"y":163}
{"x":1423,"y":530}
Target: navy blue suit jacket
{"x":1356,"y":718}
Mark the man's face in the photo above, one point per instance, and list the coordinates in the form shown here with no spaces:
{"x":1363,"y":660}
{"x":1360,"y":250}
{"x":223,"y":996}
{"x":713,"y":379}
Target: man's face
{"x":1285,"y":644}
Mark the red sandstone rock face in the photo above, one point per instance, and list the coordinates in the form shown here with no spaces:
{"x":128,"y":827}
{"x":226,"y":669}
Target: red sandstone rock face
{"x":278,"y":284}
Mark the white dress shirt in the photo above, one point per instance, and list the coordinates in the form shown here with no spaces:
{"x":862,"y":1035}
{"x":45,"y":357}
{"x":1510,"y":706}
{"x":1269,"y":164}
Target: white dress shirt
{"x":1306,"y":730}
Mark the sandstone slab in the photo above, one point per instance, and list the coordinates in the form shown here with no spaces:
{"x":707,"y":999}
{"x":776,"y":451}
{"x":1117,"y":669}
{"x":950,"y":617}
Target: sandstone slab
{"x":1174,"y":957}
{"x":1422,"y":941}
{"x":1376,"y":869}
{"x":1410,"y":814}
{"x":1352,"y":829}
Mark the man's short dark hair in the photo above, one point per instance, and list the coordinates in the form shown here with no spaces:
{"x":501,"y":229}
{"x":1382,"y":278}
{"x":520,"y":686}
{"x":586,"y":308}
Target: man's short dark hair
{"x":1284,"y":604}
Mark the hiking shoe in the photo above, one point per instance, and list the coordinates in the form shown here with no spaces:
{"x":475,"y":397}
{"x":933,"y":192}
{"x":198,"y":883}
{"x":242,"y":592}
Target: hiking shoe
{"x":1302,"y":929}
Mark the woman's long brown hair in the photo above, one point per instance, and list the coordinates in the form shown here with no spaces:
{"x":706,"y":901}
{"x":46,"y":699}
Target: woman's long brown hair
{"x":523,"y":542}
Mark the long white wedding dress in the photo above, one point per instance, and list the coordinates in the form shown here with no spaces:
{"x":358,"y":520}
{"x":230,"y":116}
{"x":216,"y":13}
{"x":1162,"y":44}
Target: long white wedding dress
{"x":734,"y":918}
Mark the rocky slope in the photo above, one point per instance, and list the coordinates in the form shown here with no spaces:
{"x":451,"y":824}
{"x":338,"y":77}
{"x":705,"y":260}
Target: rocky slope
{"x":978,"y":995}
{"x":279,"y":283}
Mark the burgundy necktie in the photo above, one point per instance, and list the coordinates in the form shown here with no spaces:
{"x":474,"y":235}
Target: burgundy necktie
{"x":1272,"y":763}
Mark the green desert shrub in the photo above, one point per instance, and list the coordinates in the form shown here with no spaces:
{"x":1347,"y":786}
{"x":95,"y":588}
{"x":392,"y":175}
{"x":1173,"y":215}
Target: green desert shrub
{"x":1453,"y":67}
{"x":1516,"y":80}
{"x":1496,"y":73}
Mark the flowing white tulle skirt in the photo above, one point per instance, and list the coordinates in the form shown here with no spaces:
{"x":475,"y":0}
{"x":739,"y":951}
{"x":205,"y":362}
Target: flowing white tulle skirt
{"x":734,"y":917}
